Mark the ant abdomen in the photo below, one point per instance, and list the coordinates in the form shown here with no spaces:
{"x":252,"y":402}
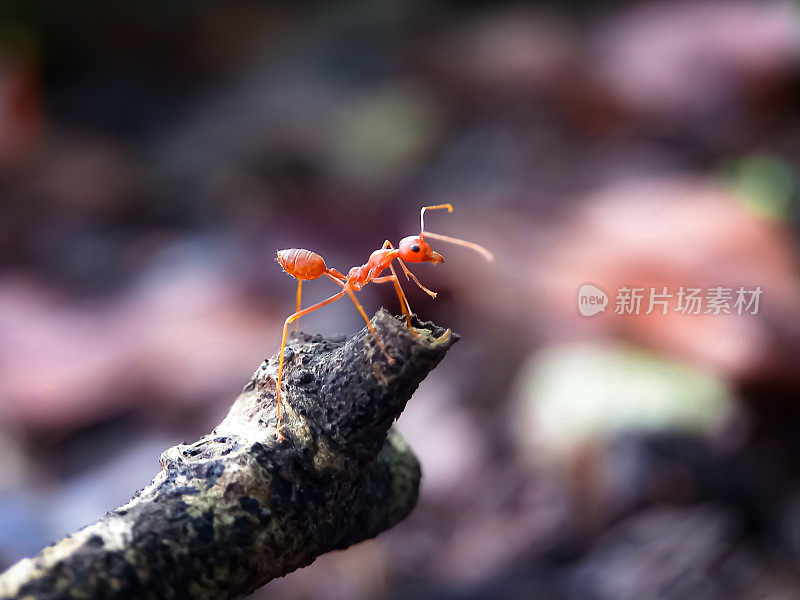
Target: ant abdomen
{"x":302,"y":264}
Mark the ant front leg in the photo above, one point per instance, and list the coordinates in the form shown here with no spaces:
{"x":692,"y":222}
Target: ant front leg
{"x":403,"y":300}
{"x":404,"y":305}
{"x":410,"y":275}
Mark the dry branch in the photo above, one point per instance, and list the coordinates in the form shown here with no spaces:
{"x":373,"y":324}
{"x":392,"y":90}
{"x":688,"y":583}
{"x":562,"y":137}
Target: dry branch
{"x":237,"y":508}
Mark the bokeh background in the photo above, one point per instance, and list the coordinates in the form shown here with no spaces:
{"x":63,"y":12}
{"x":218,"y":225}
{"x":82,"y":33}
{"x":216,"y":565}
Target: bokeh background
{"x":154,"y":155}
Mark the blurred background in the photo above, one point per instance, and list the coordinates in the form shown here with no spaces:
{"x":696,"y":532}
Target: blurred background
{"x":154,"y":155}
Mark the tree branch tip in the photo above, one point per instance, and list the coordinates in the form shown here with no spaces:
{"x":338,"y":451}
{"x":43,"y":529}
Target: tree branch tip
{"x":246,"y":508}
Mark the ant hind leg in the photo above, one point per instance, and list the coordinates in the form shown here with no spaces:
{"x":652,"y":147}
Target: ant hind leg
{"x":299,"y":299}
{"x":289,"y":320}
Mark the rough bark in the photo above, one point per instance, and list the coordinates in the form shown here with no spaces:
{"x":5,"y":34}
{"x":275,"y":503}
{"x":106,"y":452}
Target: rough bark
{"x":237,"y":508}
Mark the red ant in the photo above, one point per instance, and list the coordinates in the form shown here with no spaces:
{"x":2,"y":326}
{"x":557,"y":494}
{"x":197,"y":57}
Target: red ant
{"x":305,"y":265}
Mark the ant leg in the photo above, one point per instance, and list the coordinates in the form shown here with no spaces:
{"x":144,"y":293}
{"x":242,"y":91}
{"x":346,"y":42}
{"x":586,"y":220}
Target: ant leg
{"x":334,"y":279}
{"x":400,"y":294}
{"x":299,"y":293}
{"x":410,"y":275}
{"x":333,"y":274}
{"x":403,"y":297}
{"x":289,"y":320}
{"x":371,"y":328}
{"x":363,"y":314}
{"x":299,"y":297}
{"x":404,"y":305}
{"x":336,"y":274}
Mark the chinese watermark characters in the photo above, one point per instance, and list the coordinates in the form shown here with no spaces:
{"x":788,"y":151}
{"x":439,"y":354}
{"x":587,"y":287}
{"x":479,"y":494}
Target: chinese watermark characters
{"x":717,"y":300}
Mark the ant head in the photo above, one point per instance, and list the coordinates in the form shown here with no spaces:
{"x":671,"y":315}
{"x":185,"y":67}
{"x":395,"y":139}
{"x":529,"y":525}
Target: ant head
{"x":415,"y":249}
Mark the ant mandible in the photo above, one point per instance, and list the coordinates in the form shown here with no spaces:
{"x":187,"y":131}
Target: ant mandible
{"x":305,"y":265}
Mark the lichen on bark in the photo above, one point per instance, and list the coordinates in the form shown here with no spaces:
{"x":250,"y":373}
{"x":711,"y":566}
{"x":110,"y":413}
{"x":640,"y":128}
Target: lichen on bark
{"x":238,"y":508}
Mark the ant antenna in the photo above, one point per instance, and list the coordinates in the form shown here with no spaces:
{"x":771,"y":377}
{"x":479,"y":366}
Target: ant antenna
{"x":444,"y":238}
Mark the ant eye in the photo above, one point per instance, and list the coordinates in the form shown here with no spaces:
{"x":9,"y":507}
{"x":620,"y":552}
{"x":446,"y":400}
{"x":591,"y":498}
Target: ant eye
{"x":415,"y":248}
